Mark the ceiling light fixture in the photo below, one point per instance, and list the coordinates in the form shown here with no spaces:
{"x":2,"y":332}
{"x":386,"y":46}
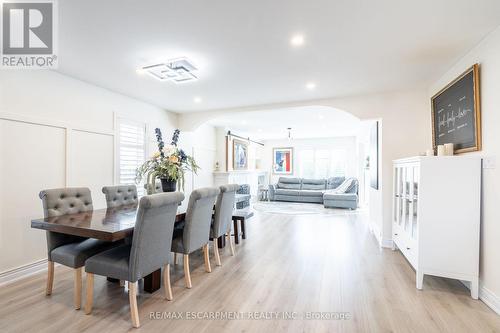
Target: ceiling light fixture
{"x":311,"y":85}
{"x":297,"y":40}
{"x":177,"y":70}
{"x":197,"y":99}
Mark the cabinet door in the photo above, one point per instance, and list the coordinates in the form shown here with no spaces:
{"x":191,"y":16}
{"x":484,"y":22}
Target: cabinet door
{"x":396,"y":201}
{"x":407,"y":194}
{"x":412,"y":182}
{"x":414,"y":204}
{"x":400,"y":197}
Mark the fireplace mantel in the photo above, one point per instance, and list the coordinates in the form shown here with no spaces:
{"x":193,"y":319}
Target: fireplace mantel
{"x":254,"y":178}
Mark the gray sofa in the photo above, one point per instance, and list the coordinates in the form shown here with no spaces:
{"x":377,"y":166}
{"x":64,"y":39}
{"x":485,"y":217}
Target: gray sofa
{"x":323,"y":191}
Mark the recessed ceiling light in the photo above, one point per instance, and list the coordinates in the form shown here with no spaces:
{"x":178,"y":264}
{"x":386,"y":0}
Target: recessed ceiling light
{"x":297,"y":40}
{"x":321,"y":116}
{"x":260,"y":130}
{"x":311,"y":85}
{"x":197,"y":99}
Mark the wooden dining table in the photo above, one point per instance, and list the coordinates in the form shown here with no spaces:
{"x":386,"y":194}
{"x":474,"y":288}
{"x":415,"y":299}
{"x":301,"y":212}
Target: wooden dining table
{"x":111,"y":225}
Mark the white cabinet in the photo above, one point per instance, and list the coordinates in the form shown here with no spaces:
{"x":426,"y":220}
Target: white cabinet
{"x":436,"y":216}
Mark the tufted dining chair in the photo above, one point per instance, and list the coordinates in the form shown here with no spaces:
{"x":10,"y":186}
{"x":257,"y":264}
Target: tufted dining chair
{"x":221,"y":226}
{"x":157,"y":188}
{"x":68,"y":250}
{"x":195,"y":233}
{"x":149,"y":251}
{"x":120,"y":195}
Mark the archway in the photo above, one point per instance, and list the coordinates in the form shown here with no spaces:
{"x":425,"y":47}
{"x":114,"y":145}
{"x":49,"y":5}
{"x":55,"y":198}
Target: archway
{"x":322,"y":131}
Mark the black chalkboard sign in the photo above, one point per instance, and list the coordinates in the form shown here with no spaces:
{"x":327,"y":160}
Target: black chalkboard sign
{"x":456,"y":116}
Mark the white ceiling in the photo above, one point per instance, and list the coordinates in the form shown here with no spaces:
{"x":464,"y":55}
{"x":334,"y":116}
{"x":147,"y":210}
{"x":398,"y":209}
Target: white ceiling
{"x":306,"y":122}
{"x":243,"y":52}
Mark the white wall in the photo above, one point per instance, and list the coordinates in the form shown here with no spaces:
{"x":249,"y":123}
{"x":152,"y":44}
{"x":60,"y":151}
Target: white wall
{"x":56,"y":131}
{"x":347,"y":143}
{"x":201,"y":144}
{"x":487,"y":54}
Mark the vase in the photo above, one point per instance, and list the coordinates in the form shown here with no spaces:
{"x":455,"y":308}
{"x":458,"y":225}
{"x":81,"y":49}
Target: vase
{"x":168,"y":185}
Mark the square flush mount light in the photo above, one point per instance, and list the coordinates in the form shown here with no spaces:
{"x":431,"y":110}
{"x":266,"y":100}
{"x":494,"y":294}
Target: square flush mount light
{"x":176,"y":70}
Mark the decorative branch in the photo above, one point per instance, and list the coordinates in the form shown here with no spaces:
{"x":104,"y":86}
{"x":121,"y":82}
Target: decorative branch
{"x":175,"y":137}
{"x":160,"y":142}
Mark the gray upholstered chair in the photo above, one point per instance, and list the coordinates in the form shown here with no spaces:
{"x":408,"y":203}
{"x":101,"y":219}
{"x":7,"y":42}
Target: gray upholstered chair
{"x":149,"y":251}
{"x":152,"y":190}
{"x":120,"y":195}
{"x":195,"y":233}
{"x":221,"y":225}
{"x":67,"y":250}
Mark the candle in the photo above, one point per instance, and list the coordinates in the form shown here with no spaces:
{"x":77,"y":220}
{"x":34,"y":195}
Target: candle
{"x":448,"y":149}
{"x":441,"y":151}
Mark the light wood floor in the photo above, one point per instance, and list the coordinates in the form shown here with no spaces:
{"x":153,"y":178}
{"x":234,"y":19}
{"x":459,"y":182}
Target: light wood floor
{"x":307,"y":263}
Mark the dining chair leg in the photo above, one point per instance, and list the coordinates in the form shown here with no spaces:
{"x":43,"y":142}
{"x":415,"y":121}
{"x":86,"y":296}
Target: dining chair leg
{"x":206,"y":255}
{"x":166,"y":282}
{"x":90,"y":293}
{"x":216,"y":252}
{"x":231,"y":245}
{"x":236,"y":232}
{"x":78,"y":288}
{"x":175,"y":258}
{"x":187,"y":274}
{"x":132,"y":297}
{"x":50,"y":278}
{"x":243,"y":230}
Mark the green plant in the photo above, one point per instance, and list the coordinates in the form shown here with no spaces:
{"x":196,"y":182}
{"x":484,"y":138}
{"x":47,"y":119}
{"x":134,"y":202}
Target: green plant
{"x":169,"y":163}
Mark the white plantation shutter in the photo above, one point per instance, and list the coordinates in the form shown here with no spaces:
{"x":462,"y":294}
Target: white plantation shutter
{"x":131,"y":151}
{"x":322,"y":163}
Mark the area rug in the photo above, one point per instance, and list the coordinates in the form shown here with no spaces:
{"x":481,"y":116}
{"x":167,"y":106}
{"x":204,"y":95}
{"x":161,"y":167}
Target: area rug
{"x":298,"y":208}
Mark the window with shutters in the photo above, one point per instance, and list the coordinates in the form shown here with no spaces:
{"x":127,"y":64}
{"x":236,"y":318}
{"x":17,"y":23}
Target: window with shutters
{"x":322,"y":163}
{"x":131,"y":151}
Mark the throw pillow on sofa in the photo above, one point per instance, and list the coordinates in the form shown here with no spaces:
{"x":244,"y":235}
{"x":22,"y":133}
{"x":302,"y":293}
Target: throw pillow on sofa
{"x":334,"y":182}
{"x":346,"y":186}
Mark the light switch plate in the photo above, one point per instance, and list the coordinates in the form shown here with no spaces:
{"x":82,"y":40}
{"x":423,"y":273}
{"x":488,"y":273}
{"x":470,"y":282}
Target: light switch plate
{"x":489,"y":162}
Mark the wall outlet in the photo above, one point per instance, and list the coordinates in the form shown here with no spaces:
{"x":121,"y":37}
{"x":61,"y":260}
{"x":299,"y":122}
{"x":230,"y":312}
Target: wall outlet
{"x":489,"y":162}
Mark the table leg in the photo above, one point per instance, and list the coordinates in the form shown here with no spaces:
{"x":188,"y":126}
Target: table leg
{"x":243,"y":233}
{"x":236,"y":232}
{"x":221,"y":242}
{"x":152,"y":282}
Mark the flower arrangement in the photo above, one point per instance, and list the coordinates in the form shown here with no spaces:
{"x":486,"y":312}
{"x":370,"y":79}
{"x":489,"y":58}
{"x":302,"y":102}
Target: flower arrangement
{"x":169,"y":163}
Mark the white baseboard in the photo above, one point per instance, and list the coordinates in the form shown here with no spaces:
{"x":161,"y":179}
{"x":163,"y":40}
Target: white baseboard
{"x":23,"y":271}
{"x":487,"y":296}
{"x":386,"y":243}
{"x":383,"y":243}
